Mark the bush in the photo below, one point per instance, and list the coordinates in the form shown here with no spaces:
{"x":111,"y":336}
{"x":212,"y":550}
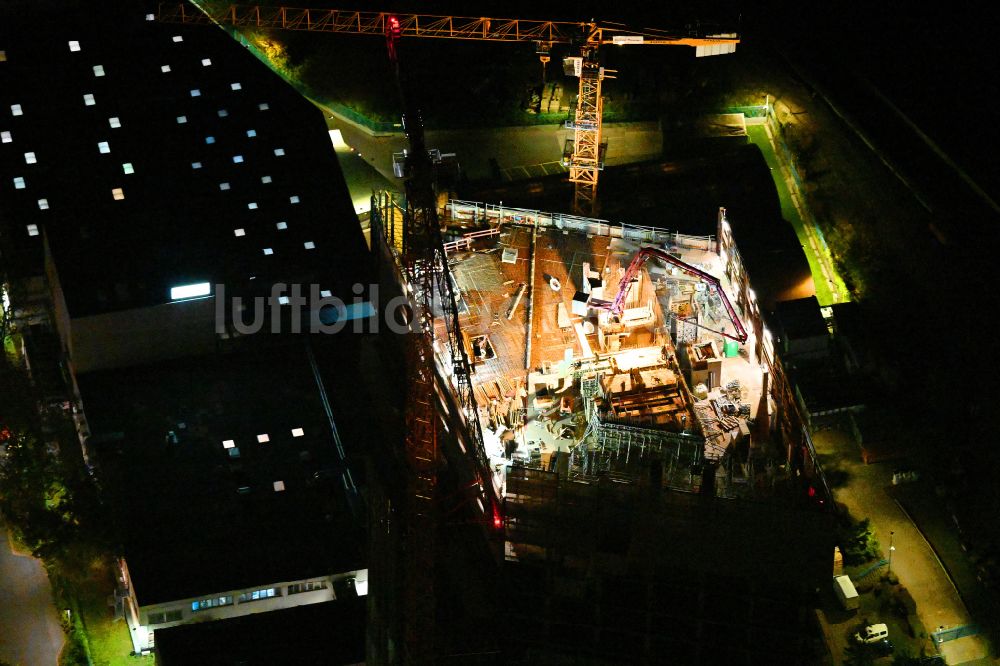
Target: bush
{"x":857,"y":541}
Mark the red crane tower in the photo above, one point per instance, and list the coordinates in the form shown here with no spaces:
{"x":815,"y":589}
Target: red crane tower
{"x":423,"y":257}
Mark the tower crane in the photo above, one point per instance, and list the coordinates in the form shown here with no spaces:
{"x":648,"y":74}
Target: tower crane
{"x":586,"y":160}
{"x":425,"y":265}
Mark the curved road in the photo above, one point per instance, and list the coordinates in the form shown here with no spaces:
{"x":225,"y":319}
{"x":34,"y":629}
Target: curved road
{"x":30,"y":634}
{"x":914,"y":561}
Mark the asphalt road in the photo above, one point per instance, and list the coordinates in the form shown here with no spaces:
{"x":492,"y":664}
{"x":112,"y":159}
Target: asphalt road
{"x":959,"y":204}
{"x":30,"y":634}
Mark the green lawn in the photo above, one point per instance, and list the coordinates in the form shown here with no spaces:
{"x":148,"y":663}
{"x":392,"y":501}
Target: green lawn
{"x":758,"y":135}
{"x":108,"y":638}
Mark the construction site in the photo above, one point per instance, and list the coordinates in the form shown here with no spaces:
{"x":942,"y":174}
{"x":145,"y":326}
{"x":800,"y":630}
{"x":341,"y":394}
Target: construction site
{"x":581,"y":447}
{"x":634,"y":421}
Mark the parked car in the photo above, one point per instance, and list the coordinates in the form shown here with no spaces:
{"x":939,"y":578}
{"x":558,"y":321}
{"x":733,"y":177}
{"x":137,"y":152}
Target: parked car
{"x":882,"y":648}
{"x":873,"y":633}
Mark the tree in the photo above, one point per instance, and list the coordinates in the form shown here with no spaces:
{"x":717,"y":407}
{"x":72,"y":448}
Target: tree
{"x":43,"y":494}
{"x":857,"y":541}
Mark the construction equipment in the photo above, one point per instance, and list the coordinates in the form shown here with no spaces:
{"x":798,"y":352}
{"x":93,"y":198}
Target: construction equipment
{"x":587,"y":159}
{"x":618,"y":304}
{"x":425,"y":263}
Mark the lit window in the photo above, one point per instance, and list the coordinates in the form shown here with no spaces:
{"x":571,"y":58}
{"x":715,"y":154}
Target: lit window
{"x":260,"y":594}
{"x":251,"y":133}
{"x":223,"y":186}
{"x":228,"y":444}
{"x":283,"y":300}
{"x":298,"y":432}
{"x":103,"y":147}
{"x":114,"y":122}
{"x":15,"y":110}
{"x":150,"y":17}
{"x":263,"y":106}
{"x":178,"y":38}
{"x":326,"y":293}
{"x":195,"y":92}
{"x":74,"y":45}
{"x":18,"y":183}
{"x":279,"y":486}
{"x":309,"y":245}
{"x":223,"y":113}
{"x":98,"y":70}
{"x":279,"y":151}
{"x":209,"y":139}
{"x":263,"y":438}
{"x":88,"y":99}
{"x":282,"y":225}
{"x":190,"y":291}
{"x":252,"y":205}
{"x":239,"y":232}
{"x":32,"y":229}
{"x":128,"y":168}
{"x":237,"y":159}
{"x":164,"y":68}
{"x":30,"y":158}
{"x":181,"y":120}
{"x":297,"y":588}
{"x":195,"y":165}
{"x":43,"y":204}
{"x":6,"y":137}
{"x":205,"y":62}
{"x":235,"y":86}
{"x":265,"y":179}
{"x":268,"y":251}
{"x":118,"y":194}
{"x":214,"y":602}
{"x":294,"y":199}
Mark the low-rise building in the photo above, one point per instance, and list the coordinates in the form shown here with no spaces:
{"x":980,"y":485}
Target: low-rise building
{"x":229,"y":488}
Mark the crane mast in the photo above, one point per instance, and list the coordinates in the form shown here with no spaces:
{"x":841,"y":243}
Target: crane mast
{"x":438,"y":371}
{"x":426,"y":267}
{"x":587,"y":159}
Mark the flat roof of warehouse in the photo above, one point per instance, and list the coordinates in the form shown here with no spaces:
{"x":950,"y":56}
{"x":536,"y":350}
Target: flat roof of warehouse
{"x":286,"y":636}
{"x":222,"y":473}
{"x":154,"y":156}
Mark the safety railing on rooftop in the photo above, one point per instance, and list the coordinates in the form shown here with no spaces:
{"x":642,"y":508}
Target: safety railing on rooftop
{"x":480,"y":213}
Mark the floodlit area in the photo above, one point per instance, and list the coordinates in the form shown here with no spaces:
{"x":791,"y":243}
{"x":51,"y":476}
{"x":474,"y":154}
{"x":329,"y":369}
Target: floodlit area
{"x":360,"y":176}
{"x":564,"y":383}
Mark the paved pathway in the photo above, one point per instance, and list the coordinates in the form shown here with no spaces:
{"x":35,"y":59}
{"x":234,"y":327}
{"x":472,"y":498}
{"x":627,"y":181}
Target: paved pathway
{"x":829,"y":285}
{"x":864,"y":495}
{"x":510,"y":147}
{"x":30,"y":634}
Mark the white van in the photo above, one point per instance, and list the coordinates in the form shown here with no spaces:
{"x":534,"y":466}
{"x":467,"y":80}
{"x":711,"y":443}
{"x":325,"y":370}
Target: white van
{"x":872,"y":633}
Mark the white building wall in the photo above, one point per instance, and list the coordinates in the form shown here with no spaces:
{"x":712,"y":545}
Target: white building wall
{"x":142,"y":631}
{"x":143,"y":335}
